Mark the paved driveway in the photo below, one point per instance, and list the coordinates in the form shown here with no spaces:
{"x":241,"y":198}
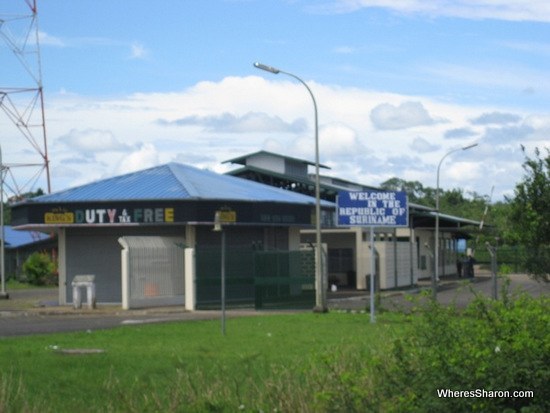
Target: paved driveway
{"x":458,"y":291}
{"x":34,"y":311}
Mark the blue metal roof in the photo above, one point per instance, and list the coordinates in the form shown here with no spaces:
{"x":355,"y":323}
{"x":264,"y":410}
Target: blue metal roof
{"x":16,"y":239}
{"x":174,"y":181}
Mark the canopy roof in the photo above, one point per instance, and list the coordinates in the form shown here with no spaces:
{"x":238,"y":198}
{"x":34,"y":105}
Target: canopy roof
{"x":174,"y":181}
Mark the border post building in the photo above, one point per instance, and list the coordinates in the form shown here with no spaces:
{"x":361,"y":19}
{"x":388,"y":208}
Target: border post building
{"x":403,"y":255}
{"x":154,"y":213}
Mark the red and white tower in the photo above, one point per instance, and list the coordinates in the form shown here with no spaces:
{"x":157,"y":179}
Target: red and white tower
{"x":24,"y":163}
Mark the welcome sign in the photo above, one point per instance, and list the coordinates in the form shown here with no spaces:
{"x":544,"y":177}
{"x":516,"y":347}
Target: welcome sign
{"x":373,"y":208}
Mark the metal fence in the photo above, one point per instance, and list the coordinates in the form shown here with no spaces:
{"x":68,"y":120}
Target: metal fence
{"x":255,"y":279}
{"x":511,"y":256}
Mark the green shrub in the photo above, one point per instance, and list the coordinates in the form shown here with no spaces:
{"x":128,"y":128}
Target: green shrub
{"x":489,"y":347}
{"x":39,"y":269}
{"x":492,"y":346}
{"x":505,"y":269}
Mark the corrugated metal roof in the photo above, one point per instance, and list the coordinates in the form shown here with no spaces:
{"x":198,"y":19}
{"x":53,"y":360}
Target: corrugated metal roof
{"x":175,"y":181}
{"x":16,"y":239}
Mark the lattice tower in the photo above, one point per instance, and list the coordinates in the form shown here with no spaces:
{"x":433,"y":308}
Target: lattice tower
{"x":24,"y":158}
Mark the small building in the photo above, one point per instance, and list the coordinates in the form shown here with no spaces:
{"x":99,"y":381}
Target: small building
{"x":19,"y":245}
{"x":403,"y":255}
{"x":171,"y":205}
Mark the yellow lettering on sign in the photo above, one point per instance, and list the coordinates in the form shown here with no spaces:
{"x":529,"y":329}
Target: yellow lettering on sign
{"x":228,"y":216}
{"x":168,"y":214}
{"x":58,"y":218}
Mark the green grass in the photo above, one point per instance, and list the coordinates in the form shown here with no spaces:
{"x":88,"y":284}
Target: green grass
{"x":273,"y":363}
{"x":13,"y":284}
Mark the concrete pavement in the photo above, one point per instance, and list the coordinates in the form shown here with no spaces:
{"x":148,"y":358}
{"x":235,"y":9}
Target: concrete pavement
{"x":451,"y":290}
{"x":35,"y":311}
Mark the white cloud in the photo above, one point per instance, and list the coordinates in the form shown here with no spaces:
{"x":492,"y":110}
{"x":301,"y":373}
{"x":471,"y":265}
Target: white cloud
{"x":515,"y":10}
{"x":459,"y":133}
{"x":336,"y":142}
{"x":339,"y":139}
{"x":406,"y":115}
{"x":144,"y":157}
{"x":530,"y":47}
{"x":273,"y":145}
{"x":541,"y":122}
{"x":124,"y":133}
{"x":462,"y":172}
{"x":247,"y":123}
{"x":344,"y":50}
{"x":49,"y":40}
{"x":421,"y":145}
{"x":508,"y":134}
{"x":137,"y":51}
{"x":489,"y":76}
{"x":498,"y":118}
{"x":90,"y":141}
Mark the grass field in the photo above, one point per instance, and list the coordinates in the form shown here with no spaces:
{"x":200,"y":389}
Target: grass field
{"x":267,"y":363}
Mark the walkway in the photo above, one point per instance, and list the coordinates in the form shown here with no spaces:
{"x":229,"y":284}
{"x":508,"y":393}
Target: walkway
{"x":35,"y":311}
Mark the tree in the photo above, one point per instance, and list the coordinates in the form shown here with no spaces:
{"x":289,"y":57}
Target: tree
{"x":530,"y":214}
{"x":450,"y":202}
{"x":414,"y":189}
{"x":416,"y":192}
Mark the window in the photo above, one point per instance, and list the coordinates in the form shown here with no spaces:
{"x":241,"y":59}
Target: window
{"x":340,"y":259}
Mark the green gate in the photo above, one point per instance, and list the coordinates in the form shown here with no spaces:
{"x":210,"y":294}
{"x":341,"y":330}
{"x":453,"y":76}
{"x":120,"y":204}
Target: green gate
{"x":255,"y":279}
{"x":284,"y":279}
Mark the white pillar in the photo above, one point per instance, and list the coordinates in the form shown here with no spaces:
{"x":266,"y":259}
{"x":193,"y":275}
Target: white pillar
{"x":125,"y":273}
{"x":190,"y":278}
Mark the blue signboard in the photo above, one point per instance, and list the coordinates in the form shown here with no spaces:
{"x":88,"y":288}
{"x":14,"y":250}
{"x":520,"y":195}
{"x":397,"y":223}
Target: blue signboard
{"x":373,"y":209}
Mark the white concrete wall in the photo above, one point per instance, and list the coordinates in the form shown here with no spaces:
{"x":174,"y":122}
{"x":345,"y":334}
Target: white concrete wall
{"x":268,"y":162}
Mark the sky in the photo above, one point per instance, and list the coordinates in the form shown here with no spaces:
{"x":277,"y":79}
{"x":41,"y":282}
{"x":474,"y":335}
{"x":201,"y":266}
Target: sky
{"x":399,"y":84}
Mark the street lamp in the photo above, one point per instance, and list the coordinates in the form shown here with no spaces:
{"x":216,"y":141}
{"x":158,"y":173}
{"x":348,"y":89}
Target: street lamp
{"x":320,"y":293}
{"x":435,"y":275}
{"x":3,"y":293}
{"x":218,"y":228}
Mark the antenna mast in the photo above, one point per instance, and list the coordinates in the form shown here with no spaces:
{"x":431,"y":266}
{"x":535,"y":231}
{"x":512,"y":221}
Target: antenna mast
{"x":22,"y":118}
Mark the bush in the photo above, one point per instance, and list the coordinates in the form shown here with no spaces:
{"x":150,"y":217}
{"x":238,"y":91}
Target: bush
{"x":492,"y":346}
{"x":505,"y":269}
{"x":39,"y":269}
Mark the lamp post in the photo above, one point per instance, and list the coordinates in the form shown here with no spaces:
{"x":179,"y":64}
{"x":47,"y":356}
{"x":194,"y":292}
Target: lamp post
{"x":435,"y":275}
{"x":3,"y":293}
{"x":320,"y":293}
{"x":218,"y":228}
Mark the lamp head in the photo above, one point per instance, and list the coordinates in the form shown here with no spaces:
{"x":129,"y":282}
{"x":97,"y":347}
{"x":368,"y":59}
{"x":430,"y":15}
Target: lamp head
{"x":469,"y":146}
{"x":266,"y":68}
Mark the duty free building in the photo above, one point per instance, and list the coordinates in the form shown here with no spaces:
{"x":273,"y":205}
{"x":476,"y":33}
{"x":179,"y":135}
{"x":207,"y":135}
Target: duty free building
{"x":140,"y":233}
